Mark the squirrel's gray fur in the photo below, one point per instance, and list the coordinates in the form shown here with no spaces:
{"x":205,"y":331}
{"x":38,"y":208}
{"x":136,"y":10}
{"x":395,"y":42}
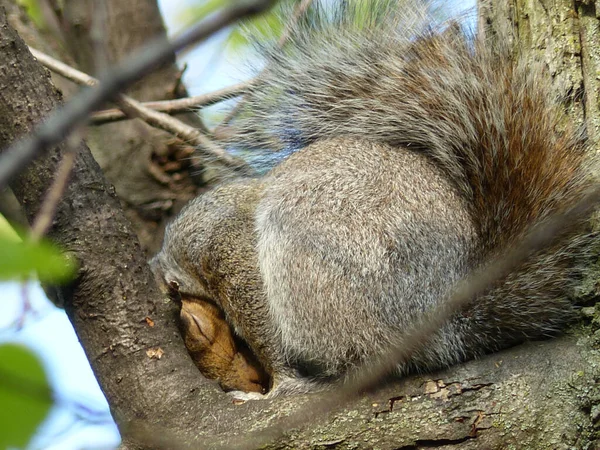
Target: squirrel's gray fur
{"x":416,"y":156}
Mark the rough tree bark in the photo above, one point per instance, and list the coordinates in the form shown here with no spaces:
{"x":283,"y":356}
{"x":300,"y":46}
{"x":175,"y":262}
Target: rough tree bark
{"x":539,"y":395}
{"x":132,"y":154}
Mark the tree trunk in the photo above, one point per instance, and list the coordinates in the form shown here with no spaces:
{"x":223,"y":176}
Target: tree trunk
{"x":131,"y":153}
{"x":538,"y":395}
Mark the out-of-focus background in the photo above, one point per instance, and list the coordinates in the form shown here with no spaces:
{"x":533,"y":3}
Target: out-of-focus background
{"x":79,"y":417}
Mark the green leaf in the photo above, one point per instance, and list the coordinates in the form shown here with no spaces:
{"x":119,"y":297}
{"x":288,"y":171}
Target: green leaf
{"x":7,"y":230}
{"x":34,"y":11}
{"x":267,"y":26}
{"x":195,"y":13}
{"x":20,"y":259}
{"x":25,"y":397}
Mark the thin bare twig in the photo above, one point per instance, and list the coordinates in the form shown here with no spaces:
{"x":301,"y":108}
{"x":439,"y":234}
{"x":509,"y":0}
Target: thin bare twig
{"x":44,"y":217}
{"x":133,"y":108}
{"x":179,"y":105}
{"x":298,"y":12}
{"x":63,"y":69}
{"x":63,"y":120}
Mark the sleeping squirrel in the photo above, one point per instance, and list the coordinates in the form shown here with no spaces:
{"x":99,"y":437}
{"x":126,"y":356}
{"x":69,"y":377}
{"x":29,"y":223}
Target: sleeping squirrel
{"x":407,"y":157}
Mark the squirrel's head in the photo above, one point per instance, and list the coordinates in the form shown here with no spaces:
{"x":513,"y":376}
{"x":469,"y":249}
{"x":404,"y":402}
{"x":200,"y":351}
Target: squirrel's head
{"x":202,"y":244}
{"x":217,"y":352}
{"x":199,"y":231}
{"x":200,"y":249}
{"x":172,"y":280}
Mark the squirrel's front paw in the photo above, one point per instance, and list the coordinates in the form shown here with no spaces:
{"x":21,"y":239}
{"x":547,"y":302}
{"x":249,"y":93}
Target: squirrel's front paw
{"x":243,"y":397}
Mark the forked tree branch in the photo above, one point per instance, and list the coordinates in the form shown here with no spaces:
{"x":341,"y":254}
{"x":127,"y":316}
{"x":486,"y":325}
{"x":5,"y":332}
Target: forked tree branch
{"x":91,"y":223}
{"x":157,"y":119}
{"x":176,"y":106}
{"x":63,"y":120}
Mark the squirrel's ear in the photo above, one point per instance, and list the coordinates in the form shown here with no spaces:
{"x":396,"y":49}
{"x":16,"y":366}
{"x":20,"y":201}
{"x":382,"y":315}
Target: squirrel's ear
{"x":200,"y":323}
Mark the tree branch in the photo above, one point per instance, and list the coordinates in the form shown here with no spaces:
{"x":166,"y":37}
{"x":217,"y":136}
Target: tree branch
{"x":492,"y":403}
{"x":74,"y":113}
{"x":176,"y":106}
{"x":133,"y":108}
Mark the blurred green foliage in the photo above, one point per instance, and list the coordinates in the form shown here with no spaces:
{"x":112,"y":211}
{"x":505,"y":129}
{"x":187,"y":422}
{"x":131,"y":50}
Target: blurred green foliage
{"x":34,"y":11}
{"x":25,"y":396}
{"x":266,"y":27}
{"x":20,"y":259}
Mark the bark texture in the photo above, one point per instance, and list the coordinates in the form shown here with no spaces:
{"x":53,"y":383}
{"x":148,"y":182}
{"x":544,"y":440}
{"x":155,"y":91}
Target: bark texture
{"x":151,"y":170}
{"x":540,"y":395}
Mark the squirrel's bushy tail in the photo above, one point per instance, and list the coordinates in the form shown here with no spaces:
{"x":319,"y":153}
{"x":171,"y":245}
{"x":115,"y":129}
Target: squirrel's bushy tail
{"x":490,"y":121}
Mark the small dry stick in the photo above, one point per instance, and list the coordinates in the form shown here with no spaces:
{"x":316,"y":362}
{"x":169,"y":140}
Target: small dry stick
{"x":64,"y":119}
{"x":44,"y":217}
{"x":298,"y":12}
{"x":177,"y":106}
{"x":134,"y":108}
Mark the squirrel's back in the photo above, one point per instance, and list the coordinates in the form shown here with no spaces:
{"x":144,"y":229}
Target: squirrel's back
{"x":419,"y":155}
